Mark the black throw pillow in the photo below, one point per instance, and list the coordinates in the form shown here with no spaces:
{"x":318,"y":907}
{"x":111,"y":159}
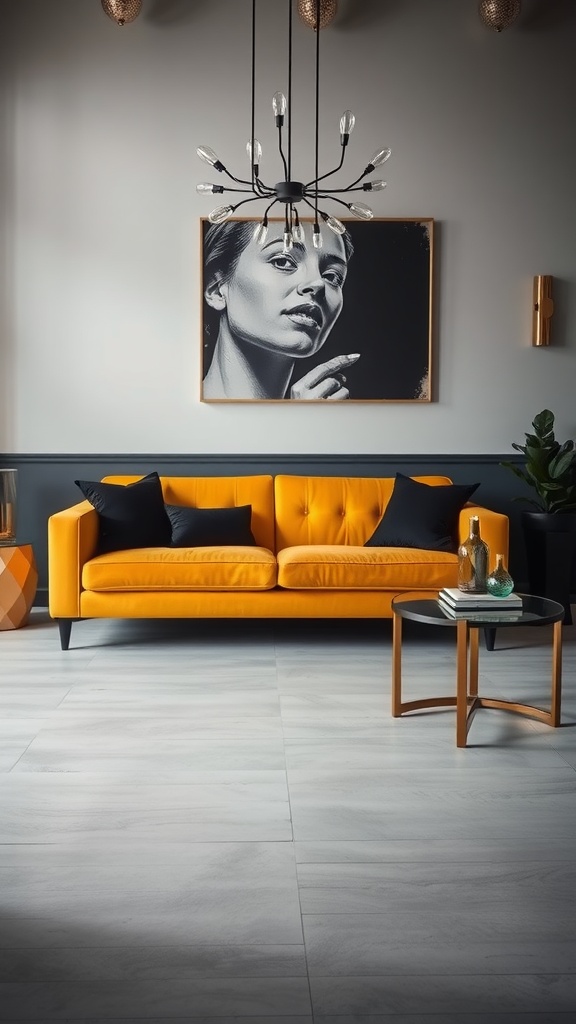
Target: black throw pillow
{"x":422,"y":515}
{"x":130,"y":515}
{"x":206,"y":527}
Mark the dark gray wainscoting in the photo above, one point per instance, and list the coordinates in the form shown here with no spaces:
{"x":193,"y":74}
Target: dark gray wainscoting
{"x":46,"y":483}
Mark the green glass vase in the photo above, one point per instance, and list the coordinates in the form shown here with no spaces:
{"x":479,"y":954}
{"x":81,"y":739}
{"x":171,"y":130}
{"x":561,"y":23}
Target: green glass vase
{"x":499,"y":582}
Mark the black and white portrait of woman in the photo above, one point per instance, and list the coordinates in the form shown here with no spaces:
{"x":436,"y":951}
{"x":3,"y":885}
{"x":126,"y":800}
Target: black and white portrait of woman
{"x":350,"y":321}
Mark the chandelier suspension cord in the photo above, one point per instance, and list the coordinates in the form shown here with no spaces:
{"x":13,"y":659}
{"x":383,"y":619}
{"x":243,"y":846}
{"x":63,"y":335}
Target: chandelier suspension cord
{"x":289,"y":207}
{"x":316,"y":225}
{"x":253,"y":124}
{"x":289,"y":90}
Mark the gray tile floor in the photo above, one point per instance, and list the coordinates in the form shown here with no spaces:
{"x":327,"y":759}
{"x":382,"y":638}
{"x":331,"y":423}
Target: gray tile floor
{"x":204,"y":821}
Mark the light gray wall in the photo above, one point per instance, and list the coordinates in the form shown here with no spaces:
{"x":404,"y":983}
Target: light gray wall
{"x":100,"y":294}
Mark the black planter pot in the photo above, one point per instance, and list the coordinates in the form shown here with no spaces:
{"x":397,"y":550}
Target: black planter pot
{"x":550,"y":541}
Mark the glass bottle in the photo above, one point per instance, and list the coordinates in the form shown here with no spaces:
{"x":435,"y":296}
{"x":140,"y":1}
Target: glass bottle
{"x":8,"y":505}
{"x":499,"y":582}
{"x":473,"y":561}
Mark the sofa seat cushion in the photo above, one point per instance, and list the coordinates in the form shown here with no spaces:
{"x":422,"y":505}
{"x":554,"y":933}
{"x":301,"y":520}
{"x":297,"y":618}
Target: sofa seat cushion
{"x":202,"y":568}
{"x":347,"y":567}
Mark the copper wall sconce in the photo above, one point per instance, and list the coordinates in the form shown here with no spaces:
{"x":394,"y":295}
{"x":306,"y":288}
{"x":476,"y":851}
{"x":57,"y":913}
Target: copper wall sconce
{"x":542,"y":310}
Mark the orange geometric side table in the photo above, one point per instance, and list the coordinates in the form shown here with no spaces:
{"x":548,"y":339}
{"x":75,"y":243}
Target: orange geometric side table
{"x":18,"y":582}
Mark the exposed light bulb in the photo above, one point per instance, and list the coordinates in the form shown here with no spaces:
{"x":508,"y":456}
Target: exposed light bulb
{"x":205,"y":188}
{"x":334,"y":224}
{"x":256,"y":155}
{"x":361,"y":211}
{"x":380,"y":157}
{"x":316,"y":237}
{"x":207,"y":155}
{"x":220,"y":214}
{"x":287,"y":241}
{"x":347,"y":122}
{"x":298,"y":233}
{"x":374,"y":186}
{"x":279,"y":107}
{"x":261,"y":232}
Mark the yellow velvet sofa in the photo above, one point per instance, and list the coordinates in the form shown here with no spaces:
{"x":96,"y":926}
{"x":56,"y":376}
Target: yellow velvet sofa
{"x":309,"y":560}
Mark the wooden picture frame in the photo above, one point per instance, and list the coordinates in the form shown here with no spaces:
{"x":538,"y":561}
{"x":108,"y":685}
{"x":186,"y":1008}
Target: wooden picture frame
{"x":285,"y":327}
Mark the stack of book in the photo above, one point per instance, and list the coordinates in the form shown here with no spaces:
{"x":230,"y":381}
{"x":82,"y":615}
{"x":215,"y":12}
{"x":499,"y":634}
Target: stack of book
{"x":479,"y":607}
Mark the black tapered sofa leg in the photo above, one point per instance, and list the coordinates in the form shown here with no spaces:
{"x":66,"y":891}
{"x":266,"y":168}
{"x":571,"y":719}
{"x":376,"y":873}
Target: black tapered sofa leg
{"x":489,"y":637}
{"x":65,"y":627}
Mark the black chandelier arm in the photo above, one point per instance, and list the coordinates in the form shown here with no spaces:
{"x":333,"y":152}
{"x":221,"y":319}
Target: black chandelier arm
{"x":334,"y":199}
{"x":328,"y":173}
{"x":243,"y":203}
{"x":281,"y":151}
{"x":367,"y":170}
{"x":268,"y":208}
{"x":240,"y":181}
{"x":263,"y":190}
{"x":351,"y":188}
{"x":353,"y":184}
{"x":227,"y":188}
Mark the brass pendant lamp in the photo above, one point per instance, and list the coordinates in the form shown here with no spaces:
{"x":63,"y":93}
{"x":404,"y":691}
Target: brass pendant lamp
{"x":122,"y":11}
{"x":499,"y":14}
{"x":326,"y":14}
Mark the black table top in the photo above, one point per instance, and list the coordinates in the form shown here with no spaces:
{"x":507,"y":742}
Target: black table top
{"x":536,"y":611}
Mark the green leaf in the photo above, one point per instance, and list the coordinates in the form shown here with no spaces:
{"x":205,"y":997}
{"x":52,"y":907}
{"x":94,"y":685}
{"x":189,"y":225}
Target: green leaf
{"x":543,"y":424}
{"x":562,"y":464}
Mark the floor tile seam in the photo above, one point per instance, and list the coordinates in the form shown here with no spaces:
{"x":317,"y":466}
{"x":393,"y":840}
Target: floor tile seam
{"x":308,"y":974}
{"x":344,"y":774}
{"x":427,"y":863}
{"x":233,"y":946}
{"x":488,"y":975}
{"x":217,"y":979}
{"x":293,"y":840}
{"x":410,"y":912}
{"x":561,"y":754}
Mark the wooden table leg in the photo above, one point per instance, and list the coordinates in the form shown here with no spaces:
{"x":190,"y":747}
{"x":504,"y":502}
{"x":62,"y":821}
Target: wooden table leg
{"x":556,"y":675}
{"x":473,"y":663}
{"x":396,"y":666}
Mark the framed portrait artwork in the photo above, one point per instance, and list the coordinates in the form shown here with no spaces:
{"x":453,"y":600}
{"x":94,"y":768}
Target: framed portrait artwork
{"x":351,"y":321}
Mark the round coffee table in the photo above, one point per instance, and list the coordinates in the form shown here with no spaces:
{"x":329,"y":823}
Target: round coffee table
{"x":536,"y":611}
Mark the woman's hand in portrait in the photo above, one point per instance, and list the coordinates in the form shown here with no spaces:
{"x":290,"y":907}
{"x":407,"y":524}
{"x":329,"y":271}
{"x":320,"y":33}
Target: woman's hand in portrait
{"x":326,"y":380}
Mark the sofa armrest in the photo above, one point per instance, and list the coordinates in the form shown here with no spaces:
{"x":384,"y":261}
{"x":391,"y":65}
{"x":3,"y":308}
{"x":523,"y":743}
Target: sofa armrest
{"x":494,"y":529}
{"x":72,"y":541}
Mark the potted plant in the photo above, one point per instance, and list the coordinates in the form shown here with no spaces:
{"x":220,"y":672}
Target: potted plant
{"x":550,"y":526}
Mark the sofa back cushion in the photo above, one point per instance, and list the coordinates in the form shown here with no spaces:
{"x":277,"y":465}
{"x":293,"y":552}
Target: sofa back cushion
{"x":221,"y":492}
{"x":332,"y":509}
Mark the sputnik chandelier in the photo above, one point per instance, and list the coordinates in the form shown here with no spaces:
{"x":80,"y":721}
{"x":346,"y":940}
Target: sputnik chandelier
{"x":290,"y":192}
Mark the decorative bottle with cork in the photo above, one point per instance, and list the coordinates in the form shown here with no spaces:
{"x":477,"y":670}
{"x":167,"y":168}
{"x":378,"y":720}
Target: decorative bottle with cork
{"x":473,"y":561}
